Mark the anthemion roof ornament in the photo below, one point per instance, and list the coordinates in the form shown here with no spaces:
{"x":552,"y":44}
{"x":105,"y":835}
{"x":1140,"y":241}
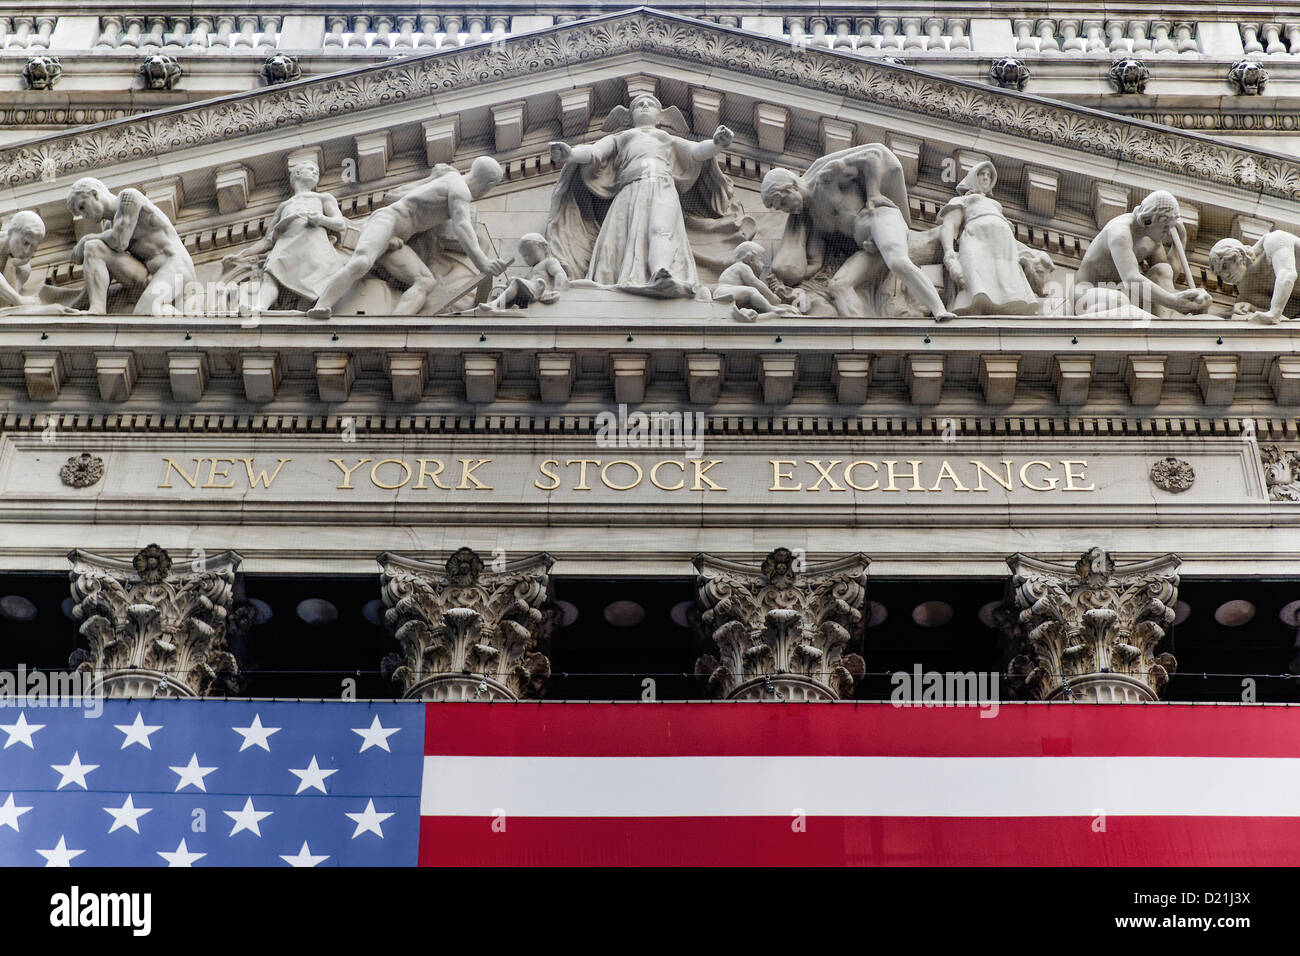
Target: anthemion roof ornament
{"x":781,"y":630}
{"x":1009,"y":72}
{"x":42,"y":72}
{"x":1130,"y":75}
{"x":160,"y":71}
{"x":1088,"y":631}
{"x":467,"y":632}
{"x":152,"y":633}
{"x":1248,"y":77}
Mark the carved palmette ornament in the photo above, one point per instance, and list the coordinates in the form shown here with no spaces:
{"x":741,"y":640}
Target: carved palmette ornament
{"x":82,"y":471}
{"x":1172,"y":474}
{"x":151,"y":633}
{"x":1088,"y":631}
{"x":781,"y":631}
{"x":467,"y":633}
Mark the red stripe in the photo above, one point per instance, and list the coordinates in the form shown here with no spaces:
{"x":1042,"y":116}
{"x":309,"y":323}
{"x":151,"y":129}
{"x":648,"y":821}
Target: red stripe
{"x":860,"y":841}
{"x":756,"y":729}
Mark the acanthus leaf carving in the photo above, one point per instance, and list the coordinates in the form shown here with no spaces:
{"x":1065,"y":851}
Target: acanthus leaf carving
{"x":466,"y":633}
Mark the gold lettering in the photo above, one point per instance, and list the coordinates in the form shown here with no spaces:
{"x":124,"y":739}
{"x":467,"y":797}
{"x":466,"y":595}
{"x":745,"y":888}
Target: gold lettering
{"x":192,"y":482}
{"x":582,"y":471}
{"x":981,"y":470}
{"x":825,"y":475}
{"x":945,"y":471}
{"x":426,"y":473}
{"x":374,"y":473}
{"x":1071,"y":477}
{"x":467,"y":475}
{"x":213,"y":474}
{"x":347,"y":472}
{"x":1024,"y":479}
{"x":262,"y":477}
{"x":914,"y":474}
{"x":700,"y":469}
{"x":554,"y":463}
{"x":779,"y":476}
{"x":654,"y":475}
{"x":604,"y":477}
{"x":848,"y":476}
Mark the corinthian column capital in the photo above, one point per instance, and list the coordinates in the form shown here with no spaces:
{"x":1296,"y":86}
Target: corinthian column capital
{"x":781,"y":629}
{"x":1088,"y":631}
{"x":152,"y":632}
{"x":467,"y":632}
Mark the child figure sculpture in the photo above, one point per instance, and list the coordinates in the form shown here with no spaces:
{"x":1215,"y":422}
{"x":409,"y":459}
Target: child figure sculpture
{"x":750,"y":296}
{"x":544,"y":282}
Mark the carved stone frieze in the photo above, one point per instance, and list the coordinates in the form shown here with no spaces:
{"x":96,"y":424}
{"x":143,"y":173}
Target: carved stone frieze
{"x":466,"y":632}
{"x":152,"y":633}
{"x":653,"y":34}
{"x":82,"y":471}
{"x":1088,"y":631}
{"x":781,"y":631}
{"x":1172,"y":475}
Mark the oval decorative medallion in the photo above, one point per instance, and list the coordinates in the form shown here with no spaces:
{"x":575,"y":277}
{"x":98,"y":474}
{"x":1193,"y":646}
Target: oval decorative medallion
{"x":82,"y":471}
{"x":1172,"y":475}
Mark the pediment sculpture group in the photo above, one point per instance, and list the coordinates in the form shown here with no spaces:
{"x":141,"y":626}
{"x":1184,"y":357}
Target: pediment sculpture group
{"x":645,"y":210}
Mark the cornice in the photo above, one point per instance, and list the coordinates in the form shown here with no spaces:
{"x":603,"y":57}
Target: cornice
{"x":649,"y":32}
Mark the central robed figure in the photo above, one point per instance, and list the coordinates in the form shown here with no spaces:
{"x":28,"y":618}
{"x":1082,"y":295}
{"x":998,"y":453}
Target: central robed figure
{"x":629,"y":208}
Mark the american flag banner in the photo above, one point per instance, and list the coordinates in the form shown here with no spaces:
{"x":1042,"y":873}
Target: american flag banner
{"x":275,"y":783}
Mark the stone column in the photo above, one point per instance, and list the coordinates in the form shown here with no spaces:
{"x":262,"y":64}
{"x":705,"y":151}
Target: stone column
{"x":1088,"y":631}
{"x":152,"y":632}
{"x":467,"y":633}
{"x":781,"y":630}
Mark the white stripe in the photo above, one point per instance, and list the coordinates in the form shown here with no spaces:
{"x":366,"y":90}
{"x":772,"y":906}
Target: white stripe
{"x":860,"y":786}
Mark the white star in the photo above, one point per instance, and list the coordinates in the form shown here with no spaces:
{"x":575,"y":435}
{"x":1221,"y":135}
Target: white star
{"x":21,"y":732}
{"x":192,"y":773}
{"x":255,"y":735}
{"x":138,"y":732}
{"x":9,"y":814}
{"x":60,"y":855}
{"x":368,"y":820}
{"x":375,"y":735}
{"x":304,"y":857}
{"x":74,"y":772}
{"x":181,"y":856}
{"x":127,"y":815}
{"x":312,"y":776}
{"x":247,"y":818}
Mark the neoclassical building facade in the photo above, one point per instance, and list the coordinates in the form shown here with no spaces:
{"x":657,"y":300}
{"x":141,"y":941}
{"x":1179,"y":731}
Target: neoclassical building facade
{"x":806,"y":343}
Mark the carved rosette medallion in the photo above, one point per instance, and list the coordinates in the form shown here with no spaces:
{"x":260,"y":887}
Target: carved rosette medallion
{"x":1281,"y":472}
{"x":1172,"y":474}
{"x":1088,"y":631}
{"x":82,"y":471}
{"x":151,"y":633}
{"x":467,"y":633}
{"x":781,"y":632}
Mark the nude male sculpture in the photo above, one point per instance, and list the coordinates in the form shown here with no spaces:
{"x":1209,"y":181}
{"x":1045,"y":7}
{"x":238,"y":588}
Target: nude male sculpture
{"x":1264,"y":274}
{"x":443,"y":199}
{"x":141,"y":247}
{"x":860,"y":194}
